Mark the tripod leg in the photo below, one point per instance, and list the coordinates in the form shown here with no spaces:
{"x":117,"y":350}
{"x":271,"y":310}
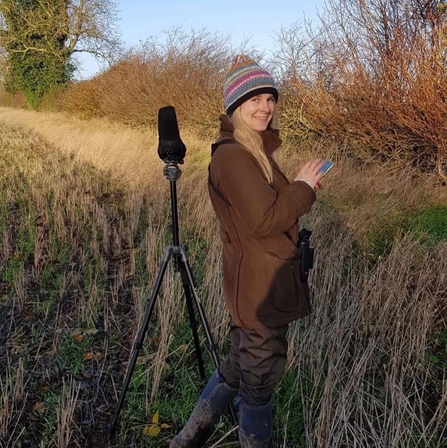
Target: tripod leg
{"x":209,"y":337}
{"x":192,"y":319}
{"x":190,"y":278}
{"x":140,"y":338}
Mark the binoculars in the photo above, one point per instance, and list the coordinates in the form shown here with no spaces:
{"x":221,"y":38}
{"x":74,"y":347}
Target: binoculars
{"x":306,"y":253}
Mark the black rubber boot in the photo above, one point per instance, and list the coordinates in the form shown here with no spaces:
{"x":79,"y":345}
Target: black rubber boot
{"x":255,"y":425}
{"x":213,"y":401}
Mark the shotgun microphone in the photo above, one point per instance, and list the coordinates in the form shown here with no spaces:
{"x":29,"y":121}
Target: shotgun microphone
{"x":170,"y":146}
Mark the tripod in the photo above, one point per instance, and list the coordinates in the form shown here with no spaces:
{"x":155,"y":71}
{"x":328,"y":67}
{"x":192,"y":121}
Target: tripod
{"x":172,"y":172}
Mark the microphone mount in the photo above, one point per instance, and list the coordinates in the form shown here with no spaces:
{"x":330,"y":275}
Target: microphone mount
{"x":171,"y":149}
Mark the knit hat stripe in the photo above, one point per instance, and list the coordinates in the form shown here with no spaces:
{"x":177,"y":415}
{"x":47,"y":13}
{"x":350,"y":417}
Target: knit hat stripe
{"x":249,"y":78}
{"x":242,"y":71}
{"x":237,"y":90}
{"x":244,"y":80}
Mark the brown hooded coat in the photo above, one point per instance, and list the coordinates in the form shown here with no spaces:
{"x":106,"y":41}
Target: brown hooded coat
{"x":259,"y":231}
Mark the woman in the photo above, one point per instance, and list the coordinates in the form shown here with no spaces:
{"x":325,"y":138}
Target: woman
{"x":258,"y":212}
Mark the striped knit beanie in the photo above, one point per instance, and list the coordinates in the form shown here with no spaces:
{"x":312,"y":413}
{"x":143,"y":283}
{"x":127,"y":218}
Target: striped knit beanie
{"x":244,"y":80}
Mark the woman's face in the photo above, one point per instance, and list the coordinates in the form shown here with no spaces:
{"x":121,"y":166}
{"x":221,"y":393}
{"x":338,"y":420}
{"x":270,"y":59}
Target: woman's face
{"x":257,"y":112}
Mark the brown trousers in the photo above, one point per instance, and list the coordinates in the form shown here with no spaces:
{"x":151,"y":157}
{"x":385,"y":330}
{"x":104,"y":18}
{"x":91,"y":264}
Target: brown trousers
{"x":256,"y":362}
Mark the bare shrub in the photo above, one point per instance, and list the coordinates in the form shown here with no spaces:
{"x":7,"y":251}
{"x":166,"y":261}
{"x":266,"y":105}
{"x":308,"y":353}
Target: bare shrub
{"x":79,"y":98}
{"x":12,"y":100}
{"x":292,"y":65}
{"x":372,"y":76}
{"x":179,"y":68}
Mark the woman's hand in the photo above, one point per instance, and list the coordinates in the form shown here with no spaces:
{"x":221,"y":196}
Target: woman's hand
{"x":309,"y":173}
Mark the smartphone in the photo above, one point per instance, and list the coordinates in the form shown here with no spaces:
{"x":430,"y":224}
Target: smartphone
{"x":325,"y":168}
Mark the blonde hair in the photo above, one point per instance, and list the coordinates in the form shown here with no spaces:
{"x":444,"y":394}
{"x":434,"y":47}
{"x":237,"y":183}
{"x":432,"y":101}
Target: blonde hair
{"x":252,"y":141}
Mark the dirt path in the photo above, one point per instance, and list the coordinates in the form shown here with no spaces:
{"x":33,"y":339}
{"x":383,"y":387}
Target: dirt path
{"x":129,"y":154}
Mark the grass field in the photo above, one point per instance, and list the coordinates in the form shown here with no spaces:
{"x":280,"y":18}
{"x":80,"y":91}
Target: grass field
{"x":85,"y":215}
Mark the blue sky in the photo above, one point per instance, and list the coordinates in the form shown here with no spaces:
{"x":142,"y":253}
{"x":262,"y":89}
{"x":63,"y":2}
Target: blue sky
{"x":242,"y":19}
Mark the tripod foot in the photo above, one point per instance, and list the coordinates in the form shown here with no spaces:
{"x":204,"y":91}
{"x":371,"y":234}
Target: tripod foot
{"x":112,"y":433}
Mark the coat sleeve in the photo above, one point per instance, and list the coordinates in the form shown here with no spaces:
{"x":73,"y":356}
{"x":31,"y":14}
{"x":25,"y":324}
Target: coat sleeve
{"x":262,"y":210}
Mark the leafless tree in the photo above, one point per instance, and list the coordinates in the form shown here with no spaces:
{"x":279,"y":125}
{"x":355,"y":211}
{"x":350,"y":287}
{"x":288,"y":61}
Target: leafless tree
{"x":60,"y":27}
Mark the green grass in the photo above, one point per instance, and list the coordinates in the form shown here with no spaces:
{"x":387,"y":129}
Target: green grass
{"x":288,"y":410}
{"x":429,"y":225}
{"x":178,"y":392}
{"x":437,"y":354}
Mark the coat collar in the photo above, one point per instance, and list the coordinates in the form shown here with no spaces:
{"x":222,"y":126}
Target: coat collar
{"x":270,"y":137}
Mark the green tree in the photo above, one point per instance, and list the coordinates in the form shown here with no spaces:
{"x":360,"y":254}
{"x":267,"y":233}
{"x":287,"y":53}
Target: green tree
{"x":40,"y":38}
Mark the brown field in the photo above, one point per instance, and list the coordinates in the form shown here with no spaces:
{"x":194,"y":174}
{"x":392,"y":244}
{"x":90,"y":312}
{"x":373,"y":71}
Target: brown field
{"x":85,"y":217}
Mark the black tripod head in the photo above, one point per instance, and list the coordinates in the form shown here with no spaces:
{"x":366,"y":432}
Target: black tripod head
{"x":171,"y":171}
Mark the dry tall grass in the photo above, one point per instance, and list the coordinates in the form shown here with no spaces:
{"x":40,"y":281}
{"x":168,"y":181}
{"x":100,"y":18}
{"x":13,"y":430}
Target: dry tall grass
{"x":62,"y":200}
{"x":360,"y":364}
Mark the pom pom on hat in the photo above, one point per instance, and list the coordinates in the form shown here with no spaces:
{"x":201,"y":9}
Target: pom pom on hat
{"x":244,"y":80}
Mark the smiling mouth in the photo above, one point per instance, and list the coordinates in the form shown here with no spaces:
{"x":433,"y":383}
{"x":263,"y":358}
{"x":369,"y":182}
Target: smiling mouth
{"x":261,"y":118}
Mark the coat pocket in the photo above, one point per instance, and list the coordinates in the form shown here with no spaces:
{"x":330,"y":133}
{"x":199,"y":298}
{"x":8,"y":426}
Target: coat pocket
{"x":287,"y":288}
